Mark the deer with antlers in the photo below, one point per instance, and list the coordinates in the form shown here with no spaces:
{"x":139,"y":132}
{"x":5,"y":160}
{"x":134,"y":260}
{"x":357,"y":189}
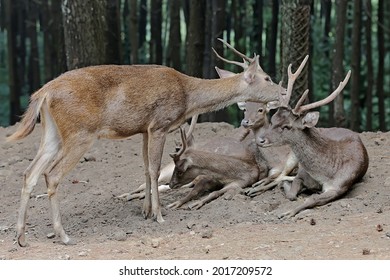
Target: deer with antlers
{"x":331,"y":160}
{"x":116,"y":102}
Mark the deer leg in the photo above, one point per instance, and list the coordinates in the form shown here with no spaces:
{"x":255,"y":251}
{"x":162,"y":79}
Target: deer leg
{"x":147,"y":207}
{"x":155,"y":150}
{"x":201,"y":184}
{"x":315,"y":200}
{"x":47,"y":151}
{"x":231,"y":187}
{"x":68,"y":157}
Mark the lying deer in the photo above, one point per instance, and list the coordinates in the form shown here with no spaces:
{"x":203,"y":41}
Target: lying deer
{"x":116,"y":102}
{"x":330,"y":159}
{"x":280,"y":161}
{"x":228,"y":170}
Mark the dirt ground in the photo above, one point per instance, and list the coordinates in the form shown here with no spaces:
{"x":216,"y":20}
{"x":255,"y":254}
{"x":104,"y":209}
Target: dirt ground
{"x":354,"y":227}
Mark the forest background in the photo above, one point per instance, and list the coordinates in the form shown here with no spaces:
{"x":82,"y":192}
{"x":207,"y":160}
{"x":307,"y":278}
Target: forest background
{"x":41,"y":39}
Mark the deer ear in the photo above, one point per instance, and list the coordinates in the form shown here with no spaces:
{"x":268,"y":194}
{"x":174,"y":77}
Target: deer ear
{"x":183,"y":164}
{"x":250,"y":72}
{"x":310,"y":119}
{"x":272,"y":105}
{"x":224,"y":73}
{"x":241,"y":105}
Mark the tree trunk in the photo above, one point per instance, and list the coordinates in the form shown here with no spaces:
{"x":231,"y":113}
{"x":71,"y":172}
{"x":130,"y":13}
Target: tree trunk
{"x":195,"y":44}
{"x":257,"y":31}
{"x":155,"y":30}
{"x":381,"y":67}
{"x":34,"y":77}
{"x":370,"y":71}
{"x":174,"y":52}
{"x":113,"y":32}
{"x":295,"y":41}
{"x":338,"y":117}
{"x":272,"y":40}
{"x":355,"y":65}
{"x":14,"y":83}
{"x":208,"y":68}
{"x":143,"y":14}
{"x":84,"y":29}
{"x":133,"y":28}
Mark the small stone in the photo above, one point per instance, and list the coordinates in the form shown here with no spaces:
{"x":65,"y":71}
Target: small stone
{"x":313,"y":222}
{"x":379,"y":228}
{"x":66,"y":257}
{"x":156,"y":242}
{"x":120,"y":236}
{"x":366,"y":251}
{"x":190,"y":225}
{"x":51,"y":235}
{"x":83,"y":254}
{"x":388,"y":234}
{"x":207,"y":233}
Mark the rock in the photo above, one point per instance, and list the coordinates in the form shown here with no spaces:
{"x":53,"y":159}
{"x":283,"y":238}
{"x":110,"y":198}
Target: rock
{"x":120,"y":235}
{"x":51,"y":235}
{"x":208,"y":233}
{"x":156,"y":242}
{"x":83,"y":254}
{"x":387,"y":182}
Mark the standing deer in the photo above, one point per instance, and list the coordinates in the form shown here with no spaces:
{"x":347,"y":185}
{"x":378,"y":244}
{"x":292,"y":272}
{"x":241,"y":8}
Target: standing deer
{"x":330,"y":159}
{"x":116,"y":102}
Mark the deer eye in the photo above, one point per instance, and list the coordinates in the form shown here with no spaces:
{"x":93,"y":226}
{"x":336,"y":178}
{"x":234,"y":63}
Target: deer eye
{"x":268,"y":79}
{"x":261,"y":110}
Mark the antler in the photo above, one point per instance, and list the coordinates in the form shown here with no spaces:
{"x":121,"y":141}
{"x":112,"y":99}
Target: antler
{"x":183,"y":145}
{"x":299,"y":109}
{"x":291,"y":80}
{"x":246,"y":59}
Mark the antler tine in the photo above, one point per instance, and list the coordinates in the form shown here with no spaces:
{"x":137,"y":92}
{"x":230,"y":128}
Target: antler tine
{"x":301,"y":100}
{"x":241,"y":64}
{"x":300,"y":109}
{"x":236,"y":51}
{"x":291,"y":80}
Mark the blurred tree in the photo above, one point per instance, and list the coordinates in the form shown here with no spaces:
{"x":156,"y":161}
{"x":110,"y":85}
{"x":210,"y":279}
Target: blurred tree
{"x":113,"y":32}
{"x":173,"y":56}
{"x":337,"y":114}
{"x":355,"y":65}
{"x":155,"y":43}
{"x":381,"y":67}
{"x":34,"y":77}
{"x":272,"y":38}
{"x":370,"y":70}
{"x":133,"y":28}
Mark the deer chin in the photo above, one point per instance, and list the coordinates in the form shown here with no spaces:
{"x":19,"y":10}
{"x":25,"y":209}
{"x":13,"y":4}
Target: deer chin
{"x":265,"y":145}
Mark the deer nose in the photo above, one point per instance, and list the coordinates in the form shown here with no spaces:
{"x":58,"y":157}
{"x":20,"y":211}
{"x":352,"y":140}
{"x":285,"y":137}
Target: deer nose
{"x":262,"y":141}
{"x":245,"y":123}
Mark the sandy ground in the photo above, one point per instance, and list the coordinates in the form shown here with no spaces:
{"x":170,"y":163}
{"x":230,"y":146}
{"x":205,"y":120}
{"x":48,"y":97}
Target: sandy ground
{"x":354,"y":227}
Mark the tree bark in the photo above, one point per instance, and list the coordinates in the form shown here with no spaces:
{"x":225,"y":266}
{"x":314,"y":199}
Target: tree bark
{"x":295,"y":41}
{"x":174,"y":50}
{"x":34,"y":77}
{"x":84,"y":29}
{"x":355,"y":65}
{"x":113,"y":32}
{"x":13,"y":79}
{"x":155,"y":30}
{"x":370,"y":71}
{"x":338,"y":117}
{"x":272,"y":40}
{"x":381,"y":67}
{"x":133,"y":28}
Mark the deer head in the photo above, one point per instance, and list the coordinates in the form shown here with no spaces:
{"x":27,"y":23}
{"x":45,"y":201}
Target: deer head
{"x":287,"y":122}
{"x":253,"y":74}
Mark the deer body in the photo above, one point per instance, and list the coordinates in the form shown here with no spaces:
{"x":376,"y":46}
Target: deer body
{"x":229,"y":169}
{"x":114,"y":102}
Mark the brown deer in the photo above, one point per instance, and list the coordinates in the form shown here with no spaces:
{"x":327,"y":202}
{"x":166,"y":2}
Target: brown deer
{"x":228,"y":169}
{"x":116,"y":102}
{"x":280,"y":161}
{"x":330,"y":159}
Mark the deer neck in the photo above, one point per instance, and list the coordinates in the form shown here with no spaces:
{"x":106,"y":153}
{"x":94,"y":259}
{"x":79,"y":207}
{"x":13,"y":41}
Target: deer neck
{"x":210,"y":95}
{"x":310,"y":146}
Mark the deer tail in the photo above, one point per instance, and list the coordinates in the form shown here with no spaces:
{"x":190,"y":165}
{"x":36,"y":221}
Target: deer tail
{"x":30,"y":117}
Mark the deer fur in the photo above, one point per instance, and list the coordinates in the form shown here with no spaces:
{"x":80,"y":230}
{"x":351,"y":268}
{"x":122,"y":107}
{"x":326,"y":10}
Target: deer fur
{"x":230,"y":168}
{"x":116,"y":102}
{"x":331,"y":160}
